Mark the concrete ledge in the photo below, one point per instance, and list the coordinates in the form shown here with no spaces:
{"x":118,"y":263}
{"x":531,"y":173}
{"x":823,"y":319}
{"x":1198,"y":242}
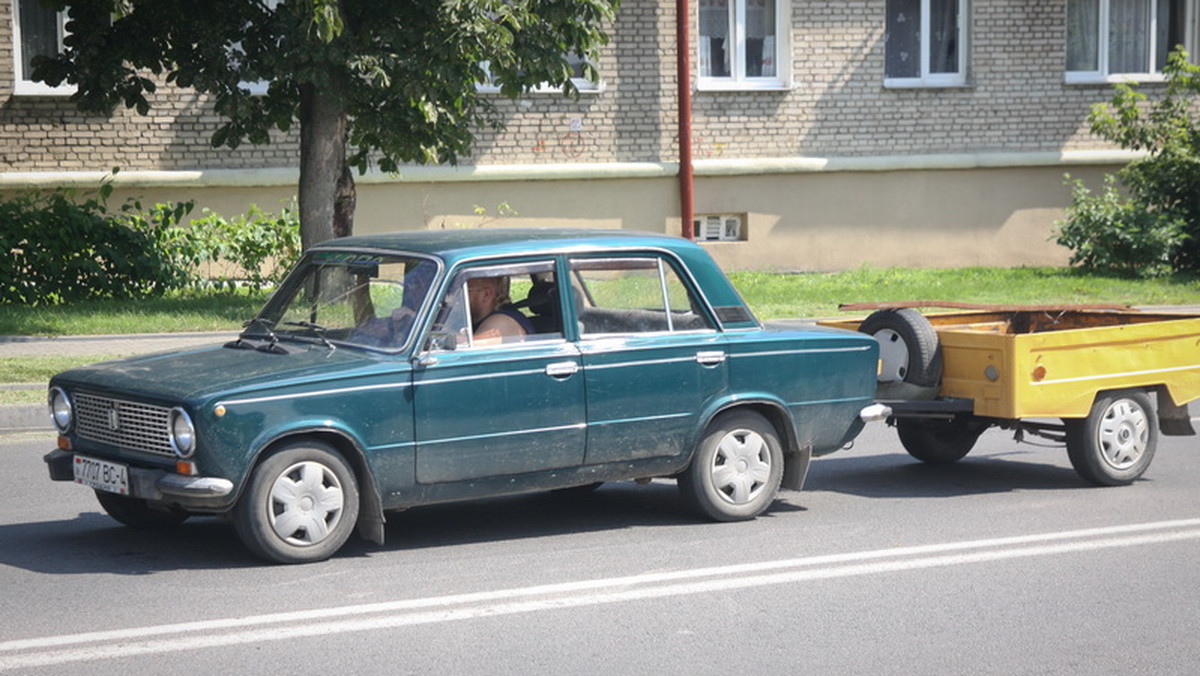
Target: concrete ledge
{"x":289,"y":176}
{"x":24,"y":417}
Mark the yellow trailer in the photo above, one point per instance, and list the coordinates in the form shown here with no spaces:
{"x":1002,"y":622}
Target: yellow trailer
{"x":949,"y":376}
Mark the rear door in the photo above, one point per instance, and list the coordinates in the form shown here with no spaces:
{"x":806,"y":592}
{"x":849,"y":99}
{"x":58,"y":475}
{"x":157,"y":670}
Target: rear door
{"x":651,"y":356}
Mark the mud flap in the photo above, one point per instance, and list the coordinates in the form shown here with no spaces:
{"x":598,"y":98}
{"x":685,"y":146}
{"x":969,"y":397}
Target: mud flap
{"x":1173,"y":420}
{"x":795,"y":469}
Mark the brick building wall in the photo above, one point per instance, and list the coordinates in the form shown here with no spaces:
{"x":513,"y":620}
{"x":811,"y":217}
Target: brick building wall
{"x":1015,"y":100}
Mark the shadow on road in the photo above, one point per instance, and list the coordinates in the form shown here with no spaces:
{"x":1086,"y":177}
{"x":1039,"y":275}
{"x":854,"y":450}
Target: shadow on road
{"x":897,"y":475}
{"x":93,"y":543}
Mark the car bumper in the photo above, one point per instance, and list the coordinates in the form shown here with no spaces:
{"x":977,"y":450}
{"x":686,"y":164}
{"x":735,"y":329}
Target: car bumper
{"x":156,"y":485}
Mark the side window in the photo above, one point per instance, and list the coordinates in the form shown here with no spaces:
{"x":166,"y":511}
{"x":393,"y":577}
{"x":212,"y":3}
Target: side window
{"x":633,"y":295}
{"x":492,"y":305}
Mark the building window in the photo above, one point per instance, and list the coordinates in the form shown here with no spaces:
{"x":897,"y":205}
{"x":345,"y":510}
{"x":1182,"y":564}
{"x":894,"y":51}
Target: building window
{"x":925,"y":43}
{"x":578,"y":78}
{"x":37,"y":31}
{"x":743,"y":44}
{"x":1116,"y":40}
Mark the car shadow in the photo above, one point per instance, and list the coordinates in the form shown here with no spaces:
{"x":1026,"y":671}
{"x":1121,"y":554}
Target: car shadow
{"x":898,"y":475}
{"x":93,"y":543}
{"x":613,"y":506}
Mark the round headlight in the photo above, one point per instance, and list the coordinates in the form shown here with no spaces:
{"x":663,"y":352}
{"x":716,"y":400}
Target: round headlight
{"x":183,"y":433}
{"x":60,"y":408}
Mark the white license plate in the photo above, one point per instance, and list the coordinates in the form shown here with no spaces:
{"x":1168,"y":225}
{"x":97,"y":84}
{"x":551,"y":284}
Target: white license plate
{"x":102,"y":475}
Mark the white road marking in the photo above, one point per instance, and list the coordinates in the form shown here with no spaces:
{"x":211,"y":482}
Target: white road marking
{"x":122,"y":643}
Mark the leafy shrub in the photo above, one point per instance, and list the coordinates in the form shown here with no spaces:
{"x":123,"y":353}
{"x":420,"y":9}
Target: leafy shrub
{"x":59,"y":250}
{"x":1109,"y":234}
{"x":257,"y":247}
{"x":63,"y":249}
{"x":1158,"y":224}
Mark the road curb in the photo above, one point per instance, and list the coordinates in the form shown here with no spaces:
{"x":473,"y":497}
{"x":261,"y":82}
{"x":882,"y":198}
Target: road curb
{"x":24,"y":418}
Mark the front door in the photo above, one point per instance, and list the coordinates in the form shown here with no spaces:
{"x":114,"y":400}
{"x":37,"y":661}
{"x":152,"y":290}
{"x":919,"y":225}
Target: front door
{"x":500,"y":405}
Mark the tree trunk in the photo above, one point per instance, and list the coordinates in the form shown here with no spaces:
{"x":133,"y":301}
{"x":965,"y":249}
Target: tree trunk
{"x":327,"y":192}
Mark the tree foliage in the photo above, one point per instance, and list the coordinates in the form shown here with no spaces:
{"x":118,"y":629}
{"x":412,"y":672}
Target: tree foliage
{"x":389,"y":82}
{"x":1155,"y":227}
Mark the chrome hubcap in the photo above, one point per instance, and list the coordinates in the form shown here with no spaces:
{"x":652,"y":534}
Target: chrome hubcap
{"x":741,"y":466}
{"x":306,"y":503}
{"x":1123,"y":434}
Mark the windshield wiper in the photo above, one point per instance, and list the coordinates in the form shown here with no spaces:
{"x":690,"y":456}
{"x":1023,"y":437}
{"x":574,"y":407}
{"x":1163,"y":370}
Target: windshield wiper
{"x":317,"y":329}
{"x":268,"y":326}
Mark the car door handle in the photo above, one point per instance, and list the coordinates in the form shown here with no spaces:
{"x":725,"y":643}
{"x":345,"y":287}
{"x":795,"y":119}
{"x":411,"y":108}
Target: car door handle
{"x":710,"y":357}
{"x":562,"y":369}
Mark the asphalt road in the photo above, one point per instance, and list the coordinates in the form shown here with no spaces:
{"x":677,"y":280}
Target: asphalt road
{"x":1005,"y":563}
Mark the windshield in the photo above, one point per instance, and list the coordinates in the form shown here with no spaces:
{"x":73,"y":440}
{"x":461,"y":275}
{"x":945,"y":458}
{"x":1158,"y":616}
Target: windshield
{"x":370,"y":300}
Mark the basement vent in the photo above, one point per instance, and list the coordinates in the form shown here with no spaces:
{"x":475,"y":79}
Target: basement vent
{"x":719,"y":228}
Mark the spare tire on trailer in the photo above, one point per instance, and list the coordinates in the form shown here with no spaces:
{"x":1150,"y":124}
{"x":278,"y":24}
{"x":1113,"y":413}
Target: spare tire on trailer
{"x":909,"y":353}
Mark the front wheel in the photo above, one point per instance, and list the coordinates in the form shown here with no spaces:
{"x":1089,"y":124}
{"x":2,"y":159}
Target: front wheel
{"x":939,"y":442}
{"x":1115,"y":443}
{"x":137,"y":513}
{"x":300,"y":506}
{"x":736,"y":470}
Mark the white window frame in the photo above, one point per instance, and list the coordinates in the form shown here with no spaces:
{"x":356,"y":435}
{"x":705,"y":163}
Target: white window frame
{"x":1191,"y":20}
{"x":22,"y":86}
{"x":738,"y":80}
{"x":937,"y":80}
{"x":584,"y":85}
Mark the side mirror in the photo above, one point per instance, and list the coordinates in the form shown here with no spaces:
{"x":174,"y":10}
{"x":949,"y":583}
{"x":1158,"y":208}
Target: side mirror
{"x":441,"y":341}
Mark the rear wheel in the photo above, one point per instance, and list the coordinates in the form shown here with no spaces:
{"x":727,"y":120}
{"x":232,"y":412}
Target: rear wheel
{"x":737,"y":468}
{"x":137,"y":513}
{"x":1115,"y":443}
{"x":300,"y":506}
{"x":939,"y":442}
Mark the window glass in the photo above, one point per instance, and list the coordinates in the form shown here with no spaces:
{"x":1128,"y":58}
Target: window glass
{"x":493,"y":305}
{"x":943,"y":36}
{"x":39,"y":35}
{"x":903,"y":38}
{"x":632,"y":295}
{"x":355,"y":299}
{"x":1083,"y":33}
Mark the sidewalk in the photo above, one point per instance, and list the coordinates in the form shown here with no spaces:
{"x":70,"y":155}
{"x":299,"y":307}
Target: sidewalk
{"x":34,"y":417}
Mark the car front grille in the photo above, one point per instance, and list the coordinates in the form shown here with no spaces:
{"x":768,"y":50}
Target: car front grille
{"x":126,"y":424}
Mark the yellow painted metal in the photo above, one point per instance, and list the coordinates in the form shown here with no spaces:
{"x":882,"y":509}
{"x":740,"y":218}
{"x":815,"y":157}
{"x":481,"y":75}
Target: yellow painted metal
{"x":1030,"y":365}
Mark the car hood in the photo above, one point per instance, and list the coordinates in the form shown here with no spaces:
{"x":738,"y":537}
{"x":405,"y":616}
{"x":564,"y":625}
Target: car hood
{"x":205,"y":373}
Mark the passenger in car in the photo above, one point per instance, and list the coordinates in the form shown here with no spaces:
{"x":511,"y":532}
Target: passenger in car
{"x":496,"y":320}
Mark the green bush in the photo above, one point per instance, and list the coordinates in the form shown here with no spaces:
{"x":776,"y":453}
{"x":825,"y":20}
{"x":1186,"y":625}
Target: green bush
{"x":1158,"y":224}
{"x":257,"y":248}
{"x":60,"y":250}
{"x":1109,"y":234}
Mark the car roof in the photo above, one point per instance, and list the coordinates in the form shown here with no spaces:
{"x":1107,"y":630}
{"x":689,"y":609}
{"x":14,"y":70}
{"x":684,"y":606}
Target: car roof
{"x":457,"y":244}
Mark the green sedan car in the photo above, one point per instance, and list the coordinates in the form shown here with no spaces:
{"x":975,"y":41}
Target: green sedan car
{"x":407,"y":369}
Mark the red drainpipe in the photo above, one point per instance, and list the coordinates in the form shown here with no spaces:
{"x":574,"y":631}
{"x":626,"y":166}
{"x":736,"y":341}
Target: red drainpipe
{"x":683,"y":78}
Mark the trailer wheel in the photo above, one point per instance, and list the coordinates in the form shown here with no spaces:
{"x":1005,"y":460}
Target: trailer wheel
{"x":909,"y":353}
{"x":1115,"y":443}
{"x":939,"y":442}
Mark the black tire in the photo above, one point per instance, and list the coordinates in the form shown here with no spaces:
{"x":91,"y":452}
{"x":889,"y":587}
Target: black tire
{"x":137,"y":513}
{"x":939,"y":442}
{"x":300,"y":506}
{"x":909,"y":352}
{"x":736,"y":470}
{"x":1115,"y":443}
